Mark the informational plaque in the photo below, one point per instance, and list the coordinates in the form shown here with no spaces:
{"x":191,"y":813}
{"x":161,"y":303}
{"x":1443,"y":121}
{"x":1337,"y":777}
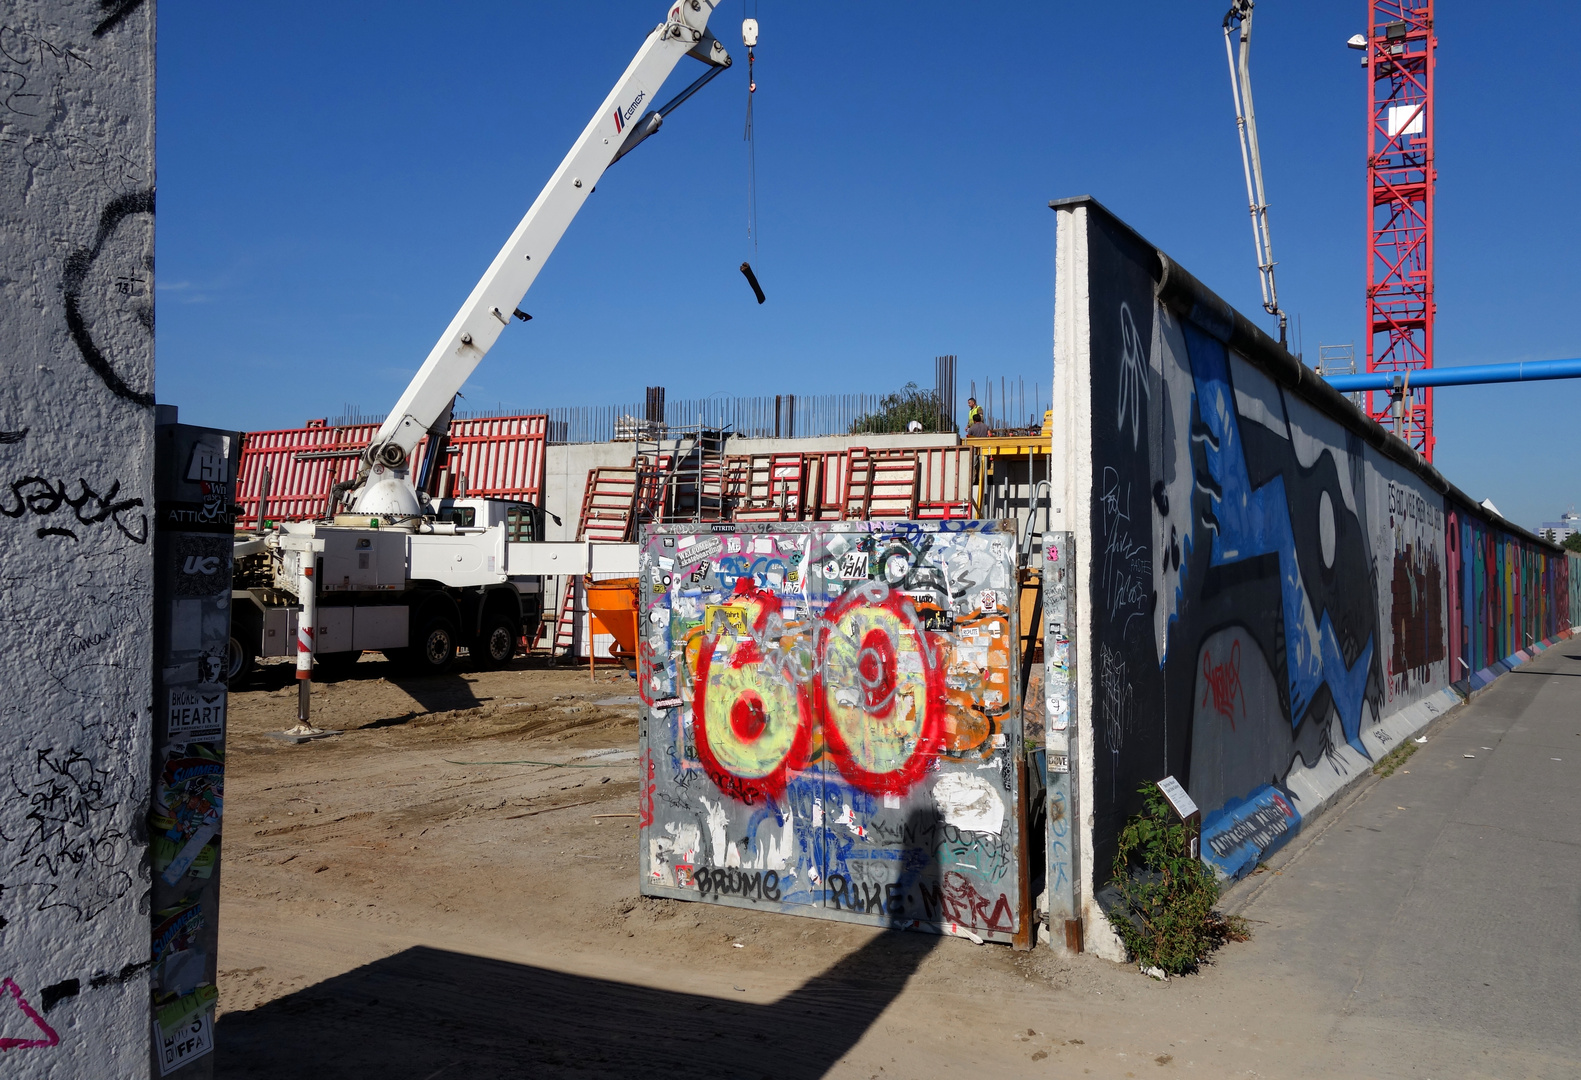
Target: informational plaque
{"x":1177,"y":797}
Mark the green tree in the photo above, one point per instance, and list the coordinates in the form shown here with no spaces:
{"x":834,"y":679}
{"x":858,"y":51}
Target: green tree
{"x":895,"y":411}
{"x":1573,"y":542}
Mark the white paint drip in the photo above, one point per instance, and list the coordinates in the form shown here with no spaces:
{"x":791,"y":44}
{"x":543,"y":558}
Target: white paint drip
{"x":716,"y":828}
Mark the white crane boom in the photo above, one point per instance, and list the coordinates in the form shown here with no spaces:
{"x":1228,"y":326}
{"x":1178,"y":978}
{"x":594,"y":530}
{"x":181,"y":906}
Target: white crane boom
{"x":1240,"y":18}
{"x":386,"y":490}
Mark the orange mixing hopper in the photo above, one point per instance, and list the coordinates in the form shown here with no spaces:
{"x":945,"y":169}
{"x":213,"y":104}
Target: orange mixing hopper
{"x":614,"y":604}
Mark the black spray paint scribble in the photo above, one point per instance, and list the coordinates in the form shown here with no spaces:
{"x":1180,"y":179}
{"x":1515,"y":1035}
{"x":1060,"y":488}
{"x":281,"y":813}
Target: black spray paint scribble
{"x":64,"y":842}
{"x":26,"y":56}
{"x":117,"y":11}
{"x":78,"y":264}
{"x":9,"y":437}
{"x":42,"y":497}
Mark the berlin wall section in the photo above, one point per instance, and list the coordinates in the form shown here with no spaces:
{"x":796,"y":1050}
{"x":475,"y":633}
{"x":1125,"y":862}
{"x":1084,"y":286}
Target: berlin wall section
{"x":76,"y":506}
{"x":1270,"y":590}
{"x":832,"y":722}
{"x":194,"y":525}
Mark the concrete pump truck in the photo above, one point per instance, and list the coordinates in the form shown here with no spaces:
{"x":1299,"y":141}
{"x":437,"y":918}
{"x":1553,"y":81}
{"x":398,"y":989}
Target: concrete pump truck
{"x":394,"y":568}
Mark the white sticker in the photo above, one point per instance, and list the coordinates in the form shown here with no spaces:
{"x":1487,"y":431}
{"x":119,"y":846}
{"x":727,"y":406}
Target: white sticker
{"x":763,"y":545}
{"x":733,"y":544}
{"x":972,"y":655}
{"x":686,"y":541}
{"x":708,"y":546}
{"x":187,"y":1043}
{"x":969,"y":802}
{"x":892,"y":802}
{"x":666,"y":563}
{"x":196,"y":712}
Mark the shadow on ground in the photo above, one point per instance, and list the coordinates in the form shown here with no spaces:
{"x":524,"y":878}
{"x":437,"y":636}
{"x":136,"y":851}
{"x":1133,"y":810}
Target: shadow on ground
{"x":431,"y":1013}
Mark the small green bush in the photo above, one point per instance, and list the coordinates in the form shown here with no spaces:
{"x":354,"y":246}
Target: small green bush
{"x":1164,"y":910}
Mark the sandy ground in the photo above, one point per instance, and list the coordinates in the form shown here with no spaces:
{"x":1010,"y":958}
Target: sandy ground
{"x":397,"y":903}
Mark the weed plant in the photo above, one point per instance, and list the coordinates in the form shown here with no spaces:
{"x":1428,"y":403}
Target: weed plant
{"x":1165,"y":913}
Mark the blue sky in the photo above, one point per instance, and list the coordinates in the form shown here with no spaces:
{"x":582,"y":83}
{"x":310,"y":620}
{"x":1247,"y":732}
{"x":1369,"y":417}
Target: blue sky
{"x":333,"y":179}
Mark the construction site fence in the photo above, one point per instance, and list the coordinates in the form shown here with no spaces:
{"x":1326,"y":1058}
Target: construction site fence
{"x":768,"y":416}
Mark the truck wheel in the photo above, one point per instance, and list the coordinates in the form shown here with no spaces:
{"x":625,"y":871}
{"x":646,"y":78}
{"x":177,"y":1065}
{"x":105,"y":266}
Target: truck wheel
{"x":238,"y":661}
{"x":433,"y":650}
{"x":496,"y":645}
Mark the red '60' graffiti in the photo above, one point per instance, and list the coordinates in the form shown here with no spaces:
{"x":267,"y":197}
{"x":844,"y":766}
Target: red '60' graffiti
{"x":864,"y":677}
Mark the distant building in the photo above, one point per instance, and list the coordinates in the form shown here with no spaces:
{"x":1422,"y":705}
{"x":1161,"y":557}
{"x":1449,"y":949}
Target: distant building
{"x":1558,"y":531}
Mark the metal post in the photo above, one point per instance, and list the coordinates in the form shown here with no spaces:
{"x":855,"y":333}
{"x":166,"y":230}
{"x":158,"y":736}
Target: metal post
{"x":304,"y":648}
{"x":263,"y":502}
{"x":1059,"y":691}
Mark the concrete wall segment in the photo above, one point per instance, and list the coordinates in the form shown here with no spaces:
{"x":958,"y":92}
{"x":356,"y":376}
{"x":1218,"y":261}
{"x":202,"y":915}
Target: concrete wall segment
{"x":1276,"y":591}
{"x":832,"y":722}
{"x":76,"y":507}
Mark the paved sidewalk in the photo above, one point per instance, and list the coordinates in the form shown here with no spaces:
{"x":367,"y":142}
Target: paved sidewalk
{"x":1437,"y":918}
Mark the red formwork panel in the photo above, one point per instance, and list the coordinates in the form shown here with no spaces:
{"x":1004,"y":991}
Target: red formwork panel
{"x":947,"y":474}
{"x":303,"y":463}
{"x":499,"y":457}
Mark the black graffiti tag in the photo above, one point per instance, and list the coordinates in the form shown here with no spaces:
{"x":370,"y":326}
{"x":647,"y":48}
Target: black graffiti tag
{"x":760,"y":885}
{"x":67,"y":840}
{"x":43,"y":498}
{"x":78,"y":263}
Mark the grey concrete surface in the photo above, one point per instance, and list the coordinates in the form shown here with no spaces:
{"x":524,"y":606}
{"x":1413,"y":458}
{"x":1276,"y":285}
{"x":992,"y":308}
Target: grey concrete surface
{"x":1434,"y":922}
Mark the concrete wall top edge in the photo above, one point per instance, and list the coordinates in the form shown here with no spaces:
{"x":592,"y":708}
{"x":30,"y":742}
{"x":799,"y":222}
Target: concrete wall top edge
{"x":1183,"y":292}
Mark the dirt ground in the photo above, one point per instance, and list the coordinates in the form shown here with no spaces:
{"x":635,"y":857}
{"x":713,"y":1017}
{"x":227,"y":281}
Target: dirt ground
{"x":449,"y":889}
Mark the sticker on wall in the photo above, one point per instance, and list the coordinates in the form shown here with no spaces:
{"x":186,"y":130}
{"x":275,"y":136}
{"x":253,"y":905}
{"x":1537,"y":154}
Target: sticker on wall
{"x":188,"y":805}
{"x":184,"y":1043}
{"x":849,"y":741}
{"x":197,"y":713}
{"x":969,"y":801}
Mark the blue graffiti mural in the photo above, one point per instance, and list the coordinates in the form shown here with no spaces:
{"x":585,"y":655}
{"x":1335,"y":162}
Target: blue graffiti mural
{"x":1245,"y":831}
{"x":1247,"y":523}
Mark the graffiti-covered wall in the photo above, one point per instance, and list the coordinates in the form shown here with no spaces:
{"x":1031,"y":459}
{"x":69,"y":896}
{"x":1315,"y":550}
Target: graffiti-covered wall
{"x":76,"y":508}
{"x":833,"y":721}
{"x":1509,"y":593}
{"x":1273,"y":591}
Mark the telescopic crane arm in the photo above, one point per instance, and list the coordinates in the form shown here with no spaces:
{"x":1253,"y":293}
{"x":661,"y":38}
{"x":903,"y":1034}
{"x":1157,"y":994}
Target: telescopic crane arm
{"x":1238,"y":23}
{"x":383,"y":486}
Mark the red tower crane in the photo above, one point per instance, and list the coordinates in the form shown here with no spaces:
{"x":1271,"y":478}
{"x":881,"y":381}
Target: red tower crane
{"x":1400,"y":48}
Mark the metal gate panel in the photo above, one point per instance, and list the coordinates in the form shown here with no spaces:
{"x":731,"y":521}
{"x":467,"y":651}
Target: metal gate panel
{"x":833,"y":722}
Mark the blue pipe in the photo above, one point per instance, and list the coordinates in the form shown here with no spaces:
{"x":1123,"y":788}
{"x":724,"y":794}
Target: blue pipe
{"x":1470,"y":375}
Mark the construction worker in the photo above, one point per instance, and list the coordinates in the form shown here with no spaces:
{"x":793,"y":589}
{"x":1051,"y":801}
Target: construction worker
{"x":976,"y":425}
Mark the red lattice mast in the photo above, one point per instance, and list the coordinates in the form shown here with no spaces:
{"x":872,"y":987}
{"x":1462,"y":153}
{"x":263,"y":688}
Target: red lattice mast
{"x":1400,"y":178}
